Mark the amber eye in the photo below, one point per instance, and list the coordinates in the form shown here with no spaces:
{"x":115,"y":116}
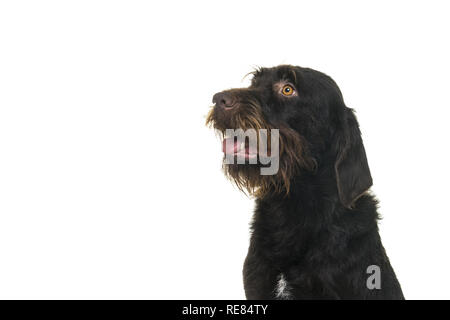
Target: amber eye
{"x":287,"y":90}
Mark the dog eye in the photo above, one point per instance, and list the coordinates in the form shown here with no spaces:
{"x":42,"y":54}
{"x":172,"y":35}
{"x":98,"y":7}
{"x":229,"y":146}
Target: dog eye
{"x":287,"y":90}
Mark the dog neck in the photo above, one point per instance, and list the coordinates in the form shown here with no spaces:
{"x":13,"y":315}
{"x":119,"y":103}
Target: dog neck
{"x":308,"y":191}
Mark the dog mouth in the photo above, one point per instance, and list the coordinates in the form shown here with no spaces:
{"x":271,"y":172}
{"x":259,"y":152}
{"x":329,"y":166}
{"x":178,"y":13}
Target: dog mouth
{"x":238,"y":147}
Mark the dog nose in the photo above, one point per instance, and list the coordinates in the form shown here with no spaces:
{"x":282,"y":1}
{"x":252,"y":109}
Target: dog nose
{"x":223,"y":100}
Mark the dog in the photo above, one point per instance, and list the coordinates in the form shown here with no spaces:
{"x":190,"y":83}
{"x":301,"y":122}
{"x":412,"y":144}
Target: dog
{"x":314,"y":233}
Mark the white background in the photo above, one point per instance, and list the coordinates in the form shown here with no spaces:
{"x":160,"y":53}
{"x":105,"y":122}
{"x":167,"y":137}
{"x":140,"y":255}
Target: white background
{"x":110,"y":184}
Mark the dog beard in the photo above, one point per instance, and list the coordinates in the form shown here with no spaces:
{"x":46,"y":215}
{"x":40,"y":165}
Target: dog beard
{"x":293,"y":154}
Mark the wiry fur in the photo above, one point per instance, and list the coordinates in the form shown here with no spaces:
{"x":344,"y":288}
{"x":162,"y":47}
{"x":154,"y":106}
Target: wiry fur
{"x":292,"y":153}
{"x":315,"y":223}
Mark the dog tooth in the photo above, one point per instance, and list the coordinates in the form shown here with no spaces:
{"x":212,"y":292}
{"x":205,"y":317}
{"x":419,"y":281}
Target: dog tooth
{"x":242,"y":146}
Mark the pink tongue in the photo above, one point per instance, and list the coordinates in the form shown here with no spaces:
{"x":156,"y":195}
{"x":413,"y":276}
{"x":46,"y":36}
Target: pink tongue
{"x":229,"y":146}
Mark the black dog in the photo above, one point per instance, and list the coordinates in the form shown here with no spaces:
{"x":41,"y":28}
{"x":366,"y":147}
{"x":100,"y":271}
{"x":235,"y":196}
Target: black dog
{"x":314,"y":231}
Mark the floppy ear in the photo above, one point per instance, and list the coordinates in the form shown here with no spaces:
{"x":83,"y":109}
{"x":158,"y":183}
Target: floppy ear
{"x":352,"y":170}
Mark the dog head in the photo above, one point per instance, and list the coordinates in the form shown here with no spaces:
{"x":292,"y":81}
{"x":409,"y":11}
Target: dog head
{"x":314,"y":127}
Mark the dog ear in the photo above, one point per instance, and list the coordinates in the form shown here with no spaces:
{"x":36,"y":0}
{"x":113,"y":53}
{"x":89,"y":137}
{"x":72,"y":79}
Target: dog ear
{"x":352,"y":170}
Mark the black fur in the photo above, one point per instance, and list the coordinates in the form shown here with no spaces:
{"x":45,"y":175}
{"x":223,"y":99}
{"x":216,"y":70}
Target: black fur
{"x":322,"y":234}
